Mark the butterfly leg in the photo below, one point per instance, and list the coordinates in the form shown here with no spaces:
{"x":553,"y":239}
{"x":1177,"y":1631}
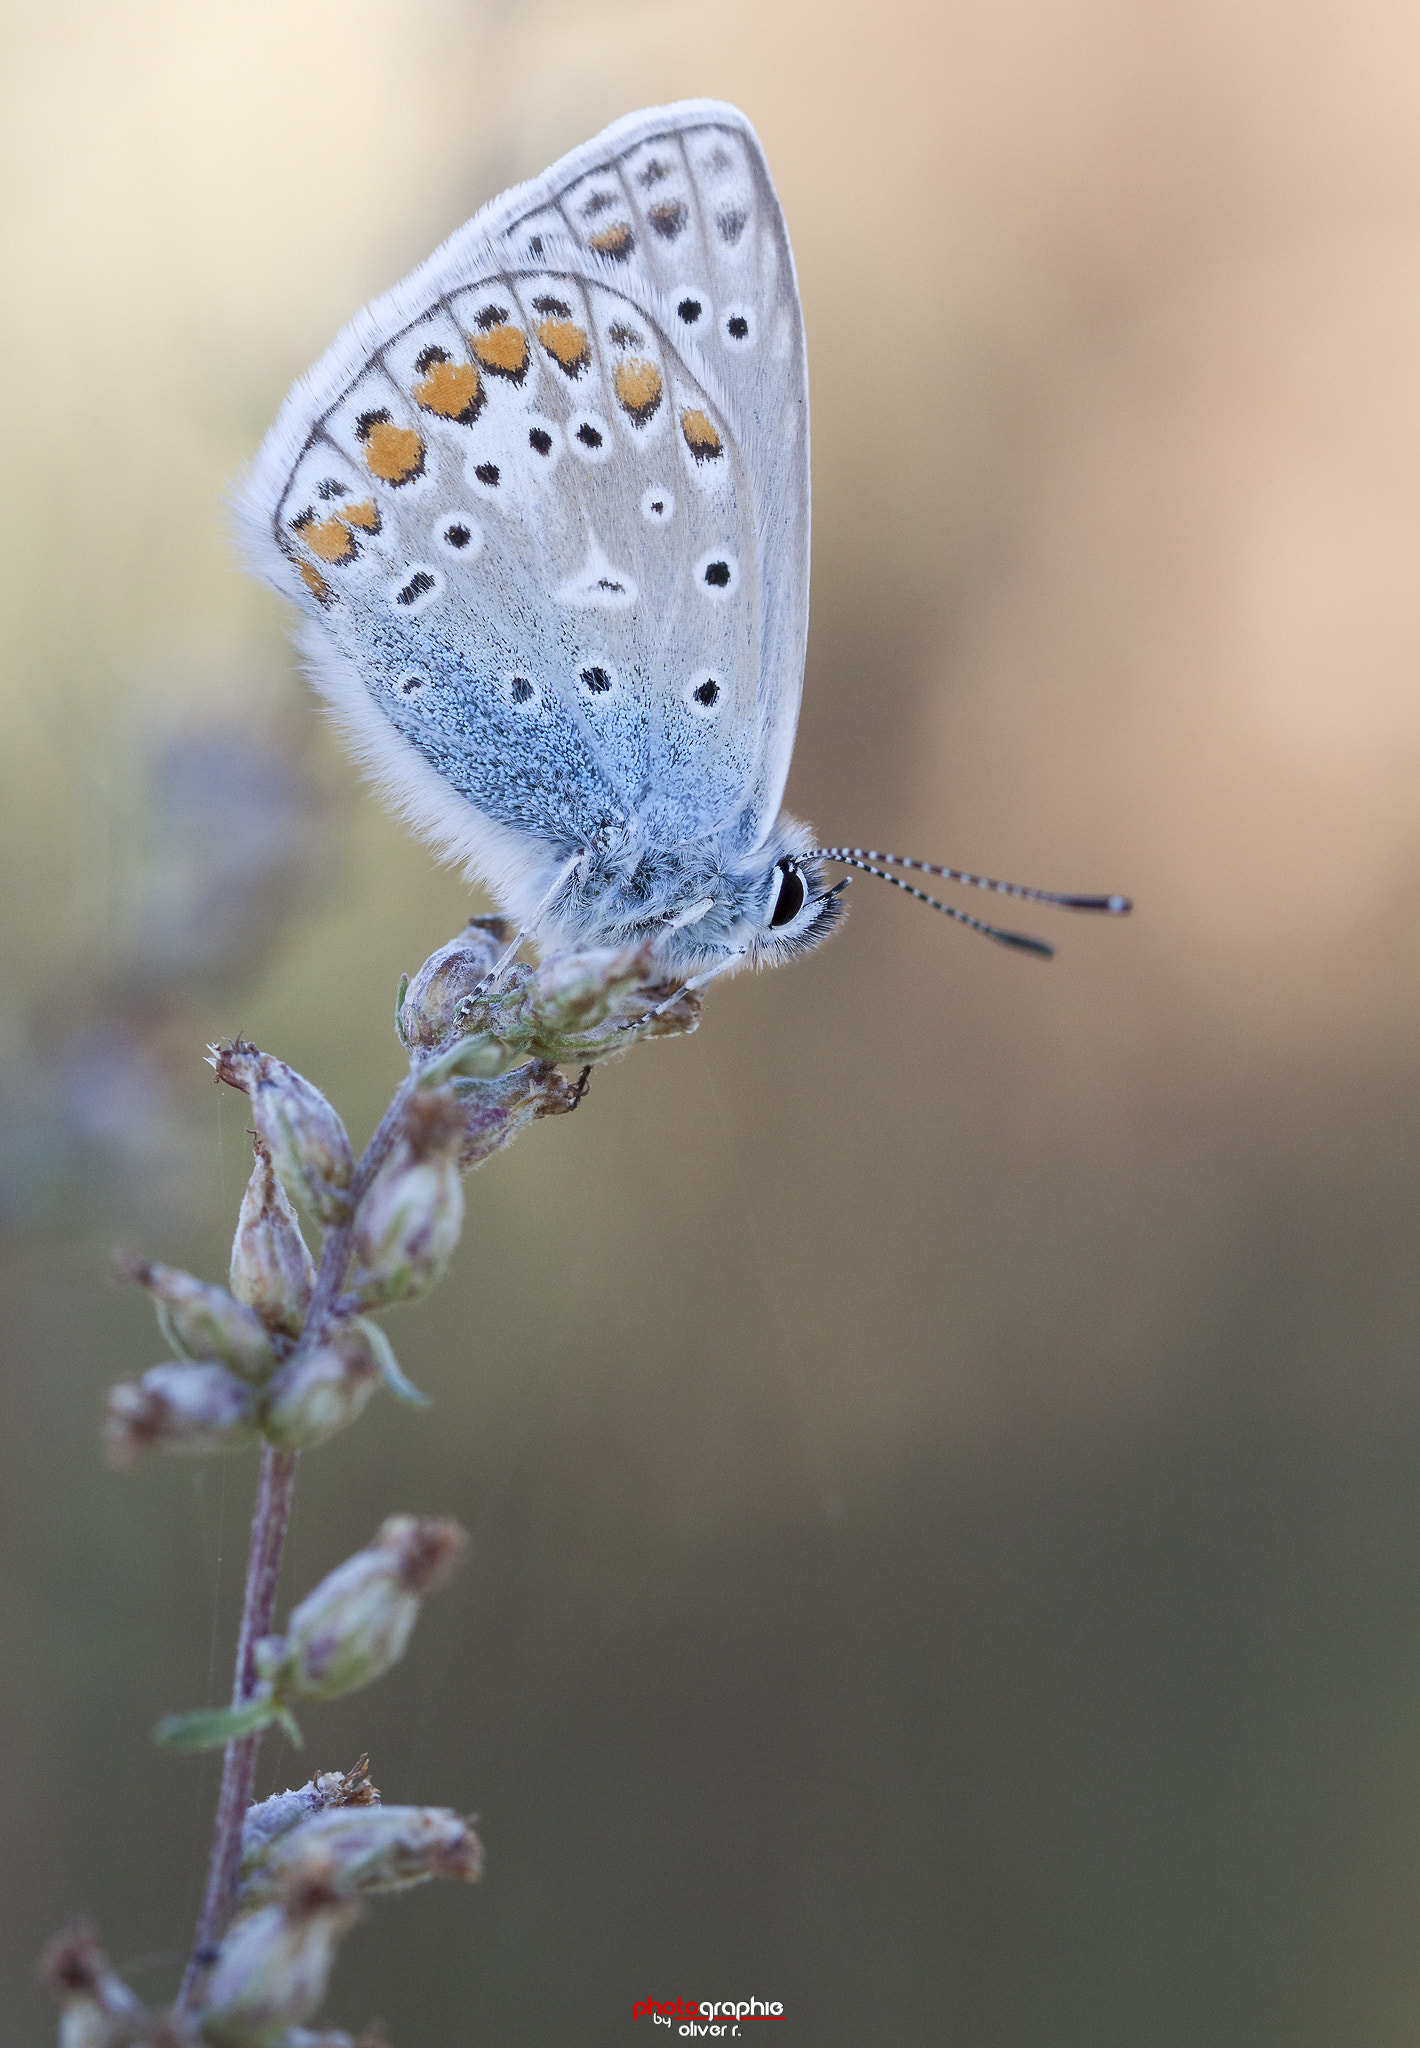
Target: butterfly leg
{"x":527,"y":931}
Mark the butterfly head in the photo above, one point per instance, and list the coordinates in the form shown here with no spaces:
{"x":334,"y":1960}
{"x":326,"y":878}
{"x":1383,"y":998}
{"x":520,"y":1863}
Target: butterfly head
{"x":798,"y":912}
{"x":786,"y":907}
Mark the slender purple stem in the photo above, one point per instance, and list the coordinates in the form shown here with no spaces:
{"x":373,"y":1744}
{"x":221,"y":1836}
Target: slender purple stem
{"x":268,"y":1534}
{"x":275,"y":1488}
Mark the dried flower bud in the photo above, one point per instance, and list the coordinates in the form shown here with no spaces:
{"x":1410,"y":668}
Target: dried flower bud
{"x":577,"y":991}
{"x":578,"y":1005}
{"x":496,"y":1112}
{"x":272,"y":1270}
{"x":411,"y":1214}
{"x":670,"y":1011}
{"x":201,"y":1321}
{"x":271,"y":1818}
{"x":97,"y":2009}
{"x":318,"y":1392}
{"x":274,"y":1965}
{"x":308,"y":1143}
{"x":355,"y":1624}
{"x":183,"y":1407}
{"x":431,"y":1014}
{"x":373,"y":1849}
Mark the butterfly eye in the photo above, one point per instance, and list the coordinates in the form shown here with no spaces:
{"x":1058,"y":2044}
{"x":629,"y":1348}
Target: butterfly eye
{"x":793,"y":894}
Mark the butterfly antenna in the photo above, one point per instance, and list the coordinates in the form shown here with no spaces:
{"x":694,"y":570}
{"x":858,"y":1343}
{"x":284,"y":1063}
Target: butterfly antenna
{"x":865,"y":857}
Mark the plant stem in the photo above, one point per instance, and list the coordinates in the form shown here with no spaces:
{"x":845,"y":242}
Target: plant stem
{"x":275,"y":1488}
{"x":268,"y":1534}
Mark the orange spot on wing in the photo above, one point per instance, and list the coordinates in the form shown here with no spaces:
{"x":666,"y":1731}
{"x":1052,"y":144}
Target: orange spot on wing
{"x":314,"y":582}
{"x":393,"y":454}
{"x":452,"y":390}
{"x":616,"y":241}
{"x":329,"y":540}
{"x":700,"y":436}
{"x":365,"y":515}
{"x":566,"y":343}
{"x":638,"y":386}
{"x":504,"y":350}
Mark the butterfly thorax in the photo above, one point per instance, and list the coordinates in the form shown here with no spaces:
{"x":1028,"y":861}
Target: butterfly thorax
{"x":703,"y":904}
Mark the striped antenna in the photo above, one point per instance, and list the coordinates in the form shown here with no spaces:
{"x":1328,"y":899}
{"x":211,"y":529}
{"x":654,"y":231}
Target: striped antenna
{"x":865,"y":858}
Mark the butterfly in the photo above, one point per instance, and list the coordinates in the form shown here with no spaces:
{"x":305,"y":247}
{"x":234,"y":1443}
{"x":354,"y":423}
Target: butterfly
{"x":544,"y":509}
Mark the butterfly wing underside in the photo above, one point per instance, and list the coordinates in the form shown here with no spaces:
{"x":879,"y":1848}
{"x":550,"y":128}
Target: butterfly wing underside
{"x":545,"y":506}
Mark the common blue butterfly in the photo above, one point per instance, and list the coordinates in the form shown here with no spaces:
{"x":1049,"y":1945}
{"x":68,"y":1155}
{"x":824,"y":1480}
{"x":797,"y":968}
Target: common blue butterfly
{"x":544,"y":507}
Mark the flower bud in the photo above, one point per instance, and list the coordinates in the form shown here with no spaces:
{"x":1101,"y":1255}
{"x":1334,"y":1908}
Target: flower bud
{"x":274,"y":1965}
{"x":270,"y":1819}
{"x":669,"y":1011}
{"x":272,"y":1271}
{"x":181,"y":1407}
{"x":308,"y":1143}
{"x":97,"y":2009}
{"x":495,"y":1112}
{"x":205,"y":1322}
{"x":430,"y":1015}
{"x":411,"y":1214}
{"x":319,"y":1391}
{"x":373,"y":1849}
{"x":577,"y":991}
{"x":355,"y":1624}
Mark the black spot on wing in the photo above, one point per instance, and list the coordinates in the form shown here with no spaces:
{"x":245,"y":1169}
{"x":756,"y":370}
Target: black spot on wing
{"x":668,"y":218}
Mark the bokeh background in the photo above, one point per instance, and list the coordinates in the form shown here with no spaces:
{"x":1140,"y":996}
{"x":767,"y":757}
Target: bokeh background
{"x":942,"y":1445}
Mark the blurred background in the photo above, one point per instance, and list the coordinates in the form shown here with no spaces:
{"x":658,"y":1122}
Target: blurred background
{"x":942,"y":1445}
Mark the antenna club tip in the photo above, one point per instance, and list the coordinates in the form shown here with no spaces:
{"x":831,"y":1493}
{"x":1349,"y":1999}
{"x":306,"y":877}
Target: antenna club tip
{"x":1112,"y":906}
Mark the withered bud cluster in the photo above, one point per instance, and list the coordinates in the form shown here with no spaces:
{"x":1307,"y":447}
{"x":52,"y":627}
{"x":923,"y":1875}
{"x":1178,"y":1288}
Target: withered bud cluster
{"x":576,"y":1007}
{"x":303,"y":1889}
{"x":304,"y":1892}
{"x":484,"y":1060}
{"x":285,"y":1356}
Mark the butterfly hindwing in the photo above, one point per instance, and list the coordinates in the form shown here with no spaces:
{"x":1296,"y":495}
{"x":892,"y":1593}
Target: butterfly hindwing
{"x":547,"y":502}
